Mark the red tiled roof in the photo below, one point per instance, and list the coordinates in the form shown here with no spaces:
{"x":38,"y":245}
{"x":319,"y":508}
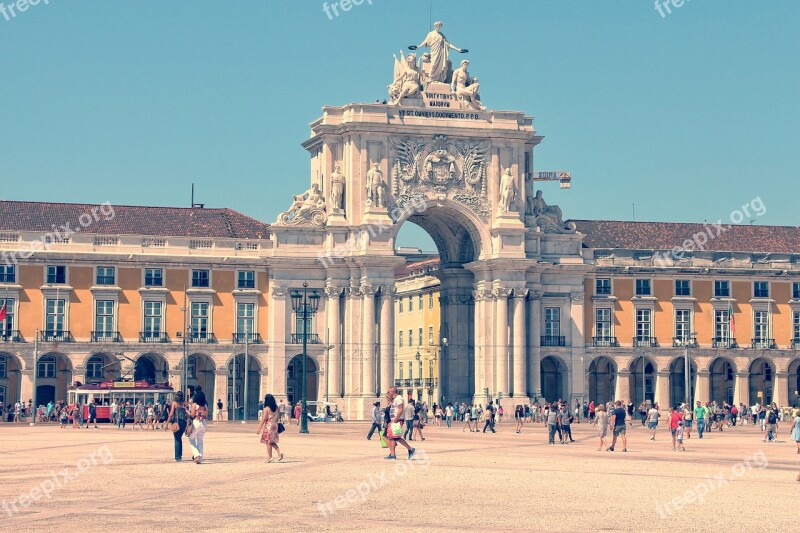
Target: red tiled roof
{"x":130,"y":220}
{"x":410,"y":269}
{"x":667,"y":235}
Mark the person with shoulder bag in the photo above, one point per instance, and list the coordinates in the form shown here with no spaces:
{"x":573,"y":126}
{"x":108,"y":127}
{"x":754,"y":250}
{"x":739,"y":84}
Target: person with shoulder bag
{"x":176,"y":422}
{"x":199,"y":415}
{"x":272,"y":426}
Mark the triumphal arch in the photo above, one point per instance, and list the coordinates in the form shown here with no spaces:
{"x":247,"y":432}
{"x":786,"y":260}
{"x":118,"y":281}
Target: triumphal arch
{"x":434,"y":154}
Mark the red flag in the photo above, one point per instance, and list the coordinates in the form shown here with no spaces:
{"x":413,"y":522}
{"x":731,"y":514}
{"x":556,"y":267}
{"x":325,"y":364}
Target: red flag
{"x":3,"y":312}
{"x":731,"y":319}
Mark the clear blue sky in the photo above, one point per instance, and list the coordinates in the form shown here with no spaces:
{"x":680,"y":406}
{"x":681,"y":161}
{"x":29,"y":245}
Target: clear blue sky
{"x":688,"y":116}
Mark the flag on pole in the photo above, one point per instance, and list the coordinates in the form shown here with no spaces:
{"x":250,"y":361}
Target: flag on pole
{"x":731,"y":319}
{"x":3,"y":311}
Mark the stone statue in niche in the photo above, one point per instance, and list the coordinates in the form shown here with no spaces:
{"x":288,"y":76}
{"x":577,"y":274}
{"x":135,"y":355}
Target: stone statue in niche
{"x":407,"y":78}
{"x":337,"y":190}
{"x":439,"y":53}
{"x":508,"y":193}
{"x":380,"y":193}
{"x":549,"y":217}
{"x":374,"y":178}
{"x":307,"y":209}
{"x":466,"y":88}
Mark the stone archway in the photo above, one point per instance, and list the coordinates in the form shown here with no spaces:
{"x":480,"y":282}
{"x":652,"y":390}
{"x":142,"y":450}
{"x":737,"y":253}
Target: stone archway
{"x":101,"y":366}
{"x":553,"y":376}
{"x":151,"y":367}
{"x":602,"y":380}
{"x":761,"y":381}
{"x":677,"y":381}
{"x":200,"y":372}
{"x":722,"y":380}
{"x":238,"y":393}
{"x":794,"y":383}
{"x":10,"y":377}
{"x":643,"y":386}
{"x":294,"y":381}
{"x":53,"y":376}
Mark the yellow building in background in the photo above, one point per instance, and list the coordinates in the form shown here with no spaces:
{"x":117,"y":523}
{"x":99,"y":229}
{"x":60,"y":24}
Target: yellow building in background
{"x":417,"y":323}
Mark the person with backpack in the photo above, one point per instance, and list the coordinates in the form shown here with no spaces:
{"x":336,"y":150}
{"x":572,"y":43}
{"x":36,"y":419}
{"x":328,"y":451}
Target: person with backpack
{"x":771,"y":432}
{"x":652,"y":421}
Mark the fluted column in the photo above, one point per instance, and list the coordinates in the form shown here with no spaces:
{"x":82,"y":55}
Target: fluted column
{"x":387,"y":338}
{"x":536,"y":331}
{"x":334,"y":372}
{"x":623,"y":391}
{"x":480,"y":344}
{"x":520,"y":345}
{"x":368,"y":338}
{"x":702,"y":391}
{"x":501,"y":341}
{"x":741,"y":390}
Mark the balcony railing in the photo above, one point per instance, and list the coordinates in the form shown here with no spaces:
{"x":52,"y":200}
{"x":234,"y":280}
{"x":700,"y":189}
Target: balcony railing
{"x":431,"y":382}
{"x":723,"y":342}
{"x":795,"y":344}
{"x":765,"y":344}
{"x":10,"y":335}
{"x":153,"y":337}
{"x":553,"y":340}
{"x":645,"y":342}
{"x":105,"y":280}
{"x":406,"y":383}
{"x":201,"y":338}
{"x":106,"y":336}
{"x":398,"y":383}
{"x":252,"y":338}
{"x":297,"y":338}
{"x":61,"y":335}
{"x":684,"y":342}
{"x":605,"y":341}
{"x":418,"y":382}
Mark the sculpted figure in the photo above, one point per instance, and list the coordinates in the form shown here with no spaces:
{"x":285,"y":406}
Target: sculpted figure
{"x":440,"y":53}
{"x":374,"y":177}
{"x":337,"y":189}
{"x":541,"y":209}
{"x":310,"y":200}
{"x":466,"y":87}
{"x":306,"y":209}
{"x":380,"y":193}
{"x":508,"y":194}
{"x":407,"y":79}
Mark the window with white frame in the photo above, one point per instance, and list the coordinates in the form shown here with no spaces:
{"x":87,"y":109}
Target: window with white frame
{"x":3,"y":367}
{"x":46,"y":367}
{"x":603,"y":323}
{"x":683,"y":324}
{"x":400,"y":338}
{"x":410,"y":304}
{"x":94,"y":367}
{"x":643,"y":287}
{"x":300,"y":322}
{"x":722,"y":326}
{"x":7,"y":274}
{"x":153,"y":277}
{"x":56,"y":274}
{"x":420,"y":303}
{"x":796,"y":326}
{"x":104,"y":318}
{"x":644,"y":325}
{"x":410,"y":370}
{"x":552,"y":322}
{"x":246,"y":279}
{"x":200,"y":278}
{"x":683,"y":287}
{"x":152,"y":319}
{"x":55,"y":312}
{"x":722,"y":289}
{"x":199,"y":320}
{"x":399,"y":305}
{"x":760,"y":289}
{"x":420,"y":337}
{"x":795,"y":291}
{"x":430,"y":335}
{"x":602,"y":286}
{"x":401,"y":366}
{"x":410,"y":338}
{"x":430,"y":368}
{"x":245,"y":320}
{"x":105,"y":275}
{"x":760,"y":326}
{"x":430,"y":300}
{"x":7,"y":324}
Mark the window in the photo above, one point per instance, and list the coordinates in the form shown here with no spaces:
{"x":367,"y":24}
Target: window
{"x":410,"y":304}
{"x":721,"y":289}
{"x":760,"y":326}
{"x":399,"y":305}
{"x":603,"y":323}
{"x":153,"y":277}
{"x":7,"y":325}
{"x":760,"y":289}
{"x":410,"y":338}
{"x":552,"y":321}
{"x":200,"y":278}
{"x":94,"y":368}
{"x":200,"y":319}
{"x":191,"y":367}
{"x":420,"y":303}
{"x":795,"y":291}
{"x":430,"y":368}
{"x":56,"y":274}
{"x":430,"y":300}
{"x":420,"y":337}
{"x":683,"y":287}
{"x":602,"y":286}
{"x":796,"y":326}
{"x":400,"y":343}
{"x":104,"y":318}
{"x":152,"y":319}
{"x":105,"y":275}
{"x":7,"y":274}
{"x":245,"y":323}
{"x":722,"y":326}
{"x":643,"y":287}
{"x":246,"y":279}
{"x":401,"y":364}
{"x":643,"y":325}
{"x":47,"y":367}
{"x":54,"y":316}
{"x":3,"y":369}
{"x":683,"y":324}
{"x":430,"y":335}
{"x":299,"y":323}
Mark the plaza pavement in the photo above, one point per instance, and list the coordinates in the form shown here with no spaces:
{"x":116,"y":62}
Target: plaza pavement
{"x":462,"y":482}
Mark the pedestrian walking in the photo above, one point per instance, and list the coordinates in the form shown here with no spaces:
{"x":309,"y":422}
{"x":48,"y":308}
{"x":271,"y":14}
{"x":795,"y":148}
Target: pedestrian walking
{"x":601,"y":421}
{"x":409,"y":419}
{"x":688,"y":419}
{"x":395,"y":426}
{"x":199,"y":416}
{"x":271,"y":425}
{"x":566,"y":424}
{"x":552,"y":425}
{"x":675,"y":417}
{"x":796,"y":429}
{"x":519,"y":416}
{"x":489,"y":418}
{"x":219,"y":409}
{"x":652,"y":420}
{"x":376,"y":420}
{"x":176,"y":421}
{"x":679,"y":436}
{"x":618,"y":424}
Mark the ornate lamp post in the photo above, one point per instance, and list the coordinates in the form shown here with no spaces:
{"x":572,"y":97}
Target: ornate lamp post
{"x":306,"y":306}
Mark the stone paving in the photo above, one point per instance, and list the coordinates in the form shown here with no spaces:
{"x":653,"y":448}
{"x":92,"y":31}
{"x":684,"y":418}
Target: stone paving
{"x":335,"y":480}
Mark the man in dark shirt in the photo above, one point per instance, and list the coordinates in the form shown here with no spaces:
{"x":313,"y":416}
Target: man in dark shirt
{"x":618,"y":423}
{"x":489,"y":418}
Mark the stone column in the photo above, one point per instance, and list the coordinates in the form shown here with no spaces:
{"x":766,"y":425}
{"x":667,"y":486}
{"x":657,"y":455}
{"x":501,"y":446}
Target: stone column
{"x":368,"y":338}
{"x":702,"y":390}
{"x":26,"y":391}
{"x":623,"y":391}
{"x":480,"y":343}
{"x":578,"y":379}
{"x":780,"y":389}
{"x":741,"y":389}
{"x":536,"y":332}
{"x":176,"y":379}
{"x":501,"y":341}
{"x":334,"y":371}
{"x":662,"y":389}
{"x":387,"y":338}
{"x":221,"y":388}
{"x":353,"y":349}
{"x":520,"y":345}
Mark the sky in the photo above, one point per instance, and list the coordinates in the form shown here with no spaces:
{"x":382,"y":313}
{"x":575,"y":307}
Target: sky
{"x":688,"y":113}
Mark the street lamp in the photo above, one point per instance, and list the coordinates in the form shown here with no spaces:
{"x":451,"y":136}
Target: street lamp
{"x":307,"y":304}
